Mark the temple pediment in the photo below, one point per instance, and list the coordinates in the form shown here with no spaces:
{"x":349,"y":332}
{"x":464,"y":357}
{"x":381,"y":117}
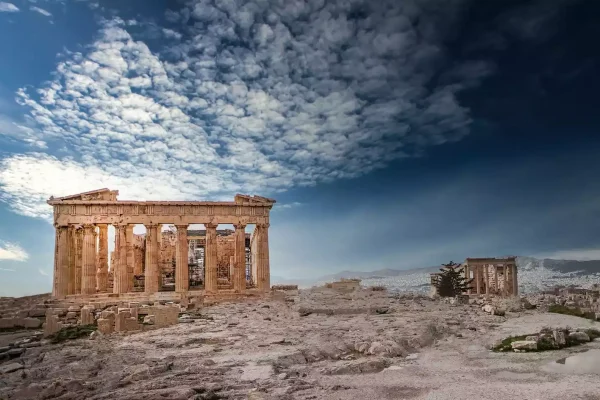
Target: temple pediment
{"x":244,"y":198}
{"x":98,"y":194}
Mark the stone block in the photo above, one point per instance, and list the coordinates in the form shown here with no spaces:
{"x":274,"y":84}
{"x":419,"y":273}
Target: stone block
{"x":52,"y":325}
{"x":106,"y":325}
{"x":32,"y":323}
{"x":37,"y":312}
{"x":12,"y":367}
{"x":131,"y":324}
{"x":72,"y":315}
{"x":150,"y":319}
{"x":524,"y":345}
{"x":23,"y":314}
{"x":120,"y":322}
{"x":7,"y":323}
{"x":87,"y":316}
{"x":73,"y":309}
{"x":580,"y":337}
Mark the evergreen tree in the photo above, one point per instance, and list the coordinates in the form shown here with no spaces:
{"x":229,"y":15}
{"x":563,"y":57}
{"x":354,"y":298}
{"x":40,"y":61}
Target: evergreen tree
{"x":452,"y":281}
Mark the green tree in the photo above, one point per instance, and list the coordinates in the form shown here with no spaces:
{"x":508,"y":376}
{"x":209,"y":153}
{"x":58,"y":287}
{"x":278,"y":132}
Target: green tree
{"x":451,"y":280}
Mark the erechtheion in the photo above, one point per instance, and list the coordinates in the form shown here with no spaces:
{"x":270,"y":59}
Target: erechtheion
{"x":81,"y":263}
{"x":491,"y":276}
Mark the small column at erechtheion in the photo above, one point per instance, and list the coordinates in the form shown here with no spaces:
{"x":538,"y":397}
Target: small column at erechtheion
{"x":102,"y":272}
{"x":151,"y":274}
{"x":182,"y":281}
{"x":88,"y":280}
{"x":210,"y":259}
{"x":239,"y":266}
{"x":263,"y":273}
{"x":78,"y":244}
{"x":60,"y":286}
{"x":515,"y":282}
{"x":120,"y":284}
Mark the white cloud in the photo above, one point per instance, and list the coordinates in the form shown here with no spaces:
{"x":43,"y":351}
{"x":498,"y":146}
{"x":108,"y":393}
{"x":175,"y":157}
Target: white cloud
{"x":253,"y":99}
{"x":7,"y":270}
{"x":42,"y":272}
{"x":8,"y":7}
{"x":41,"y":11}
{"x":573,"y":254}
{"x":12,"y":252}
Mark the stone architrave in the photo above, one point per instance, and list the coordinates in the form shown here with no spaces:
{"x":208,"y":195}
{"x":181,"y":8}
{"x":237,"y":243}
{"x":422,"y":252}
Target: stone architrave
{"x":102,"y":272}
{"x":210,"y":257}
{"x":61,"y":264}
{"x":239,"y":267}
{"x":120,"y":284}
{"x":88,"y":281}
{"x":182,"y":280}
{"x":263,"y":279}
{"x":151,"y":281}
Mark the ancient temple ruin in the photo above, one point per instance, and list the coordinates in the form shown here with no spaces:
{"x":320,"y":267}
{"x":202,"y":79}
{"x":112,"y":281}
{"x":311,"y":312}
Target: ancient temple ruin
{"x":209,"y":261}
{"x":491,"y":276}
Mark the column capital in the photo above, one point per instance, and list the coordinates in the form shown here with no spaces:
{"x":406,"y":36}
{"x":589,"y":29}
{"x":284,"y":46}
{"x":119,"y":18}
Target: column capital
{"x":211,"y":225}
{"x":120,"y":225}
{"x":263,"y":225}
{"x":181,"y":226}
{"x":87,"y":227}
{"x":56,"y":225}
{"x":239,"y":226}
{"x":148,"y":226}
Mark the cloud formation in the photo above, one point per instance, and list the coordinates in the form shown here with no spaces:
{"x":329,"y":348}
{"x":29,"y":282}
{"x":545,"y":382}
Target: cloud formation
{"x":41,"y":11}
{"x":12,"y":252}
{"x":8,"y":7}
{"x":257,"y":97}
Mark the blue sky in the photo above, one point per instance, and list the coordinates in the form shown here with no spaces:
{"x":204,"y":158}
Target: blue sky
{"x":392,"y":134}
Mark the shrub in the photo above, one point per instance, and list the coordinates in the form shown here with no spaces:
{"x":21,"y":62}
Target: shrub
{"x":576,"y":311}
{"x":72,"y":332}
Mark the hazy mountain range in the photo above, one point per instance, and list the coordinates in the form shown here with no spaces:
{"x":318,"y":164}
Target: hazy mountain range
{"x":534,"y":275}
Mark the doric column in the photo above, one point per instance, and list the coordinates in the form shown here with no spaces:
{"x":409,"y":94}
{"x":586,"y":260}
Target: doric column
{"x":60,"y":286}
{"x":505,"y":277}
{"x":210,"y":259}
{"x":130,"y":257}
{"x":239,"y":267}
{"x":78,"y":258}
{"x":72,"y":252}
{"x":515,"y":280}
{"x":263,"y":278}
{"x":497,"y":291}
{"x":477,"y":279}
{"x":487,"y":280}
{"x":120,"y":284}
{"x":151,"y":273}
{"x":88,"y":281}
{"x":182,"y":280}
{"x":102,"y":272}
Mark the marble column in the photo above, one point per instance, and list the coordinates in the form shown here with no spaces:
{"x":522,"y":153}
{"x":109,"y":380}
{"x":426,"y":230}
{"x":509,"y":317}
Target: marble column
{"x":496,"y":282}
{"x":515,"y":282}
{"x":78,"y":258}
{"x":88,"y":280}
{"x":182,"y":279}
{"x":505,"y":277}
{"x":60,"y":286}
{"x":263,"y":278}
{"x":487,"y":280}
{"x":102,"y":272}
{"x":130,"y":257}
{"x":210,"y":259}
{"x":239,"y":267}
{"x":120,"y":284}
{"x":72,"y":252}
{"x":151,"y":274}
{"x":477,"y":279}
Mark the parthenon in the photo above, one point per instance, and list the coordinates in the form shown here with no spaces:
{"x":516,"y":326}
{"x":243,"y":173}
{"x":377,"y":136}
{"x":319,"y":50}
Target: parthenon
{"x":81,"y":259}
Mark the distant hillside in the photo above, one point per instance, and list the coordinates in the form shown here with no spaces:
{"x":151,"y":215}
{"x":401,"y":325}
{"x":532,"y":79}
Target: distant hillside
{"x":534,"y":275}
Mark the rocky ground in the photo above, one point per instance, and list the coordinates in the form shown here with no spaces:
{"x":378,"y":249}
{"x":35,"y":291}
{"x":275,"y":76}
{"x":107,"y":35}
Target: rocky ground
{"x":318,"y":345}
